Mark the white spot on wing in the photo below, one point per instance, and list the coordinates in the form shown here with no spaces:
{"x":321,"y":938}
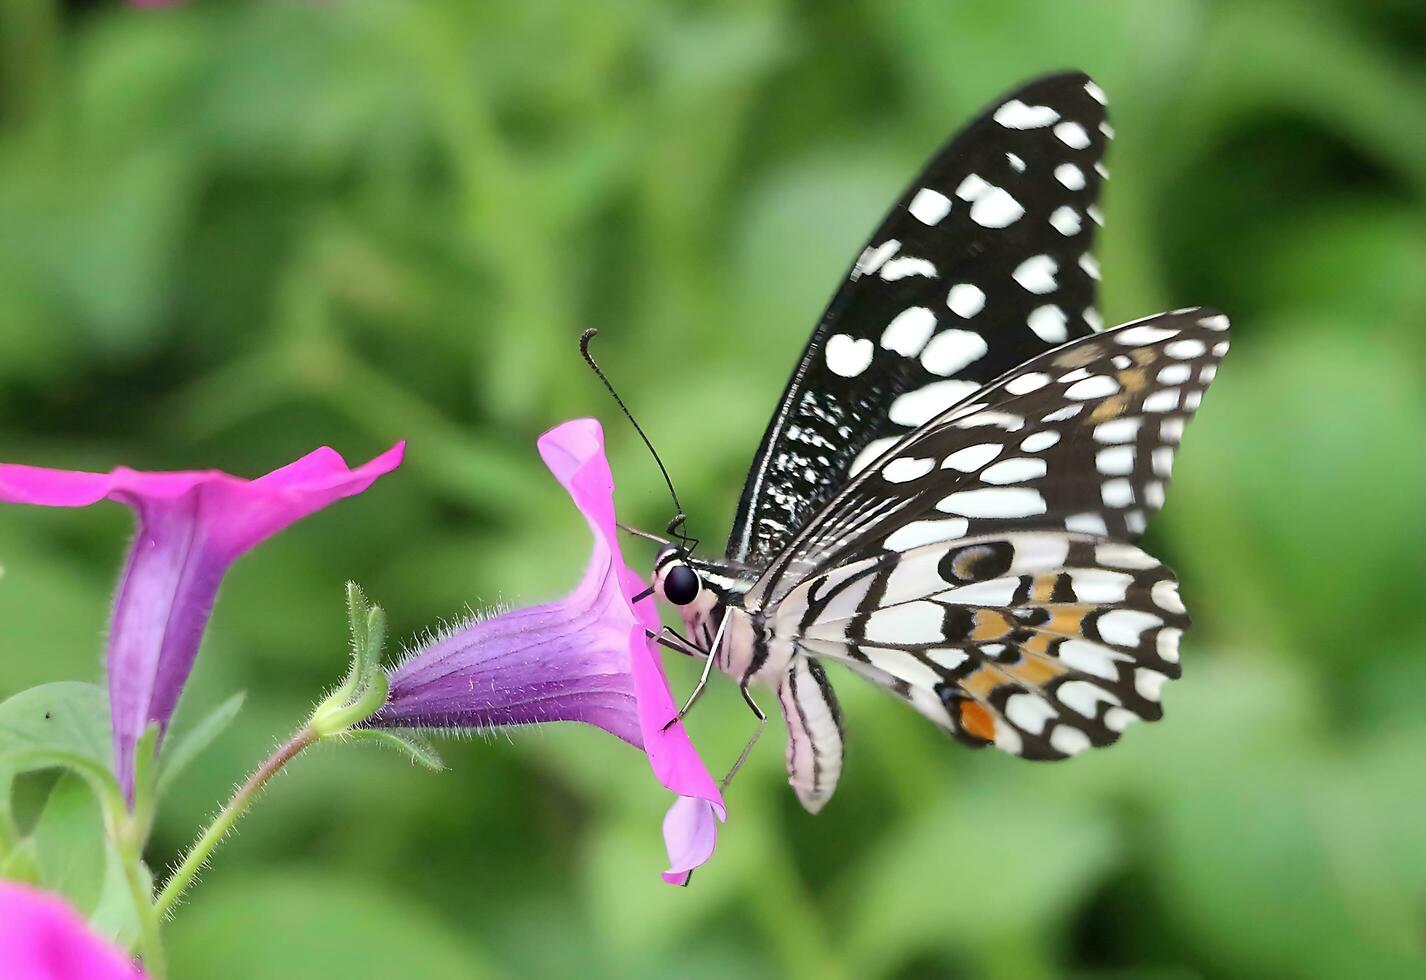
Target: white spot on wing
{"x":1072,"y":134}
{"x":1040,"y":440}
{"x":905,"y":469}
{"x":952,"y":350}
{"x":1023,"y":384}
{"x":848,"y":356}
{"x":1083,"y":697}
{"x":1145,"y":334}
{"x":1117,"y":430}
{"x":1089,"y":658}
{"x":1070,"y":175}
{"x":1165,"y":596}
{"x":1117,"y":493}
{"x":1029,"y":712}
{"x":1123,"y":627}
{"x":908,"y":668}
{"x":916,"y":408}
{"x":1098,"y":386}
{"x":906,"y":265}
{"x":1017,"y":115}
{"x":873,"y":449}
{"x":929,"y":207}
{"x":996,"y":209}
{"x":909,"y":330}
{"x":1065,"y":220}
{"x":910,"y":622}
{"x":1069,"y":740}
{"x":1049,"y":323}
{"x":1016,"y":470}
{"x":1184,"y":350}
{"x":917,"y":533}
{"x":872,"y":258}
{"x":1086,"y":524}
{"x":994,"y":502}
{"x":965,"y":300}
{"x":972,"y":458}
{"x":1115,"y":461}
{"x":1096,"y":93}
{"x":1036,"y":274}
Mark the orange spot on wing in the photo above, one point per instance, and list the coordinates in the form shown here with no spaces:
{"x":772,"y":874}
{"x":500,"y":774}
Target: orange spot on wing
{"x":977,"y":721}
{"x":981,"y":681}
{"x":990,"y":625}
{"x":1033,"y":670}
{"x":1110,"y":408}
{"x":1038,"y":644}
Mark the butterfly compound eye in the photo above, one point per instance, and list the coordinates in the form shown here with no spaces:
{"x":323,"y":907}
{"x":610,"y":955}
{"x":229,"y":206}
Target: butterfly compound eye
{"x":681,"y":585}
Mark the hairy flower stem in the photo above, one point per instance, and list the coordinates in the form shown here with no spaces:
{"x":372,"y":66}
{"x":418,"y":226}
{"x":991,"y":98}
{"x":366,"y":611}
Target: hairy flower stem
{"x":203,"y":848}
{"x":150,"y":942}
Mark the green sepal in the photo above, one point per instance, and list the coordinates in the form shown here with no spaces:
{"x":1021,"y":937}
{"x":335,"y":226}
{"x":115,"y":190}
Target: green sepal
{"x":180,"y":749}
{"x":418,"y":749}
{"x":364,"y":689}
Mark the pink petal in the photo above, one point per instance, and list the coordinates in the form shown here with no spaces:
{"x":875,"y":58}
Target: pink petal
{"x":690,"y":832}
{"x":42,"y":938}
{"x":574,"y":452}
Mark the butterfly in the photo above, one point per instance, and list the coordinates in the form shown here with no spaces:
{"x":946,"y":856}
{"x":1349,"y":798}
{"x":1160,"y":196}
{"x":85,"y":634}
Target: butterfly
{"x":947,"y":499}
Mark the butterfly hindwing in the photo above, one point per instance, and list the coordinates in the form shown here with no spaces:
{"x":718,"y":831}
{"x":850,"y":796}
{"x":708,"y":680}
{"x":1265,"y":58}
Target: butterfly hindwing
{"x":1081,"y":438}
{"x":814,"y":732}
{"x":983,"y":262}
{"x":1043,"y":643}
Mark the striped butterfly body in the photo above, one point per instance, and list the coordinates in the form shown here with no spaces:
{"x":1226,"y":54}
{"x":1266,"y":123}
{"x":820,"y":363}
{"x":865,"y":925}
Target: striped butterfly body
{"x":947,"y":498}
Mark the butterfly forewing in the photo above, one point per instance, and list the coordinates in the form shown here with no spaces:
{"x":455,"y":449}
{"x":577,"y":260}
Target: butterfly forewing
{"x":1081,"y":438}
{"x":983,"y":262}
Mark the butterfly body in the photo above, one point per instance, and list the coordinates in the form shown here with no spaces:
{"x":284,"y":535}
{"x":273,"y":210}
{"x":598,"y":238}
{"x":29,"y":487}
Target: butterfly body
{"x":947,"y":498}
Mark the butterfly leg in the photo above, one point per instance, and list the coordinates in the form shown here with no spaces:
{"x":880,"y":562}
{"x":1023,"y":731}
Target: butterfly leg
{"x":672,"y":639}
{"x":757,"y":734}
{"x":712,"y":655}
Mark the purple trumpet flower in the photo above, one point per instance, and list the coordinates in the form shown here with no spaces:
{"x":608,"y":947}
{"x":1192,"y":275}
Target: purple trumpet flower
{"x":42,"y":938}
{"x":192,"y":527}
{"x":585,"y":658}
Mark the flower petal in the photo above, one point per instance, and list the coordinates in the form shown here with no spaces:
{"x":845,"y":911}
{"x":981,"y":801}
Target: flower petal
{"x":192,"y":526}
{"x":574,"y":452}
{"x":690,"y":832}
{"x":42,"y":938}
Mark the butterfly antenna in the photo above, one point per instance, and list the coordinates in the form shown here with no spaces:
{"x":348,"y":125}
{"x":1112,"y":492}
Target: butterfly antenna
{"x":675,"y":525}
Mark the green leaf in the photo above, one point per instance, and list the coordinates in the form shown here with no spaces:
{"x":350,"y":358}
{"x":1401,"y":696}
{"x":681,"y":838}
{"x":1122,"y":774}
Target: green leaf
{"x":113,"y":914}
{"x":64,"y":725}
{"x":182,"y":748}
{"x":420,"y":751}
{"x":68,"y":717}
{"x":69,"y":843}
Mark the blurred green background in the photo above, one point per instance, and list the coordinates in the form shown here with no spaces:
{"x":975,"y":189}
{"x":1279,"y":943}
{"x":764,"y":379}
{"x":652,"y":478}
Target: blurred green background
{"x":230,"y":233}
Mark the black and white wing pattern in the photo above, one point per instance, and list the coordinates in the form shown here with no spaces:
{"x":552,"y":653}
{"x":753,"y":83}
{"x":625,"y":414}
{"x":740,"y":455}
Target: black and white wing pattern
{"x":981,"y":569}
{"x":1080,"y":438}
{"x":984,"y":262}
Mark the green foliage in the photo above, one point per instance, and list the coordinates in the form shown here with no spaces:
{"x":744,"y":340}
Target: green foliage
{"x":234,"y":232}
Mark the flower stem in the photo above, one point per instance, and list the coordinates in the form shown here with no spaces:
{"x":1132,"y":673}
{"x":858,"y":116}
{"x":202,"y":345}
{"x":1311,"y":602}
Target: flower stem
{"x":150,"y":943}
{"x":203,"y":848}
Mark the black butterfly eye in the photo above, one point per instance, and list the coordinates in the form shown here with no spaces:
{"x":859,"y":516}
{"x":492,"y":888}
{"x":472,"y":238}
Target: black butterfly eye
{"x":681,"y":585}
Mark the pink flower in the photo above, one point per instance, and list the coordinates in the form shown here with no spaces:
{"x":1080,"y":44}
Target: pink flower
{"x":42,"y":938}
{"x":192,"y":526}
{"x":585,"y":658}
